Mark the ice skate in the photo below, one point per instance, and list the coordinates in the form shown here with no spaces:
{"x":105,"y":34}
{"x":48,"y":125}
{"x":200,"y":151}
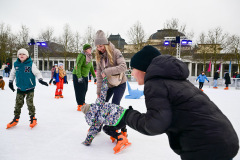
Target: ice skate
{"x":13,"y":123}
{"x":33,"y":121}
{"x":61,"y":96}
{"x":226,"y":88}
{"x":57,"y":97}
{"x":122,"y":143}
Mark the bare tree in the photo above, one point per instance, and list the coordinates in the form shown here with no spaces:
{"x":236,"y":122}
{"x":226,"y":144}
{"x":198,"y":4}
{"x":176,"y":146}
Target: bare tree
{"x":4,"y":35}
{"x":23,"y":37}
{"x":217,"y":40}
{"x":234,"y":47}
{"x":47,"y":35}
{"x":89,"y":36}
{"x":204,"y":50}
{"x":67,"y":41}
{"x":174,"y":24}
{"x":77,"y":42}
{"x":137,"y":35}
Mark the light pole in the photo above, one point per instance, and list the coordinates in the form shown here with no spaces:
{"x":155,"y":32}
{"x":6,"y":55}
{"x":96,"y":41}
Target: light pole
{"x":35,"y":44}
{"x":180,"y":41}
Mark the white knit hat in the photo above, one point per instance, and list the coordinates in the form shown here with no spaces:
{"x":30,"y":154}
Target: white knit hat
{"x":60,"y":64}
{"x":22,"y":51}
{"x":100,"y":38}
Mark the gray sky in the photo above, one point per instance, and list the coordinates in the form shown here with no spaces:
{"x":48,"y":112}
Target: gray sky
{"x":117,"y":16}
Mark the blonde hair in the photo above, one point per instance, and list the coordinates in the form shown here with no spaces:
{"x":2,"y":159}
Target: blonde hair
{"x":109,"y":54}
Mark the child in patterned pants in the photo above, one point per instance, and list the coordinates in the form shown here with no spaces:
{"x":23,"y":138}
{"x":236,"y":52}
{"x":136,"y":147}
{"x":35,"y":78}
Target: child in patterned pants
{"x":109,"y":114}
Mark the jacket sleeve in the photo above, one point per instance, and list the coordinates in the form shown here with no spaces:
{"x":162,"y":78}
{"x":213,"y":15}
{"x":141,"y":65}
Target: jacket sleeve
{"x":12,"y":74}
{"x":158,"y":117}
{"x":206,"y":78}
{"x":36,"y":72}
{"x":79,"y":64}
{"x":120,"y":67}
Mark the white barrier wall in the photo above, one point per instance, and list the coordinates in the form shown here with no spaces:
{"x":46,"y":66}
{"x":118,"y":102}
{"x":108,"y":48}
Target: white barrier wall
{"x":235,"y":82}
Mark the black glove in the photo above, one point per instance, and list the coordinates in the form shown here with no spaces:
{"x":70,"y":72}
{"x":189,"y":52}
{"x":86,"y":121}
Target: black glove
{"x":11,"y":85}
{"x":95,"y":80}
{"x":126,"y":112}
{"x":208,"y":81}
{"x":80,"y":80}
{"x":66,"y":82}
{"x":42,"y":82}
{"x":54,"y":82}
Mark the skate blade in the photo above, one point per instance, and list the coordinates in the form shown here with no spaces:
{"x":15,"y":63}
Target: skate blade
{"x":124,"y":147}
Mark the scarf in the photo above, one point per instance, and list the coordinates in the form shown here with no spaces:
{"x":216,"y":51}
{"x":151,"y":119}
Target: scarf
{"x":62,"y":73}
{"x":88,"y":57}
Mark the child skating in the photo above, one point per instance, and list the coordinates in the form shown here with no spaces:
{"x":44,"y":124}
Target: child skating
{"x":111,"y":115}
{"x":25,"y":71}
{"x":202,"y":77}
{"x":60,"y":78}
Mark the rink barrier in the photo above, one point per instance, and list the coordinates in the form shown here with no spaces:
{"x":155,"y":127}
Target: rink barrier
{"x":235,"y":82}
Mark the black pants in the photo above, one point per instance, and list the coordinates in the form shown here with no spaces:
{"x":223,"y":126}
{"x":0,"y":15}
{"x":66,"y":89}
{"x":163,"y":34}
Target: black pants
{"x":201,"y":85}
{"x":117,"y":93}
{"x":80,"y":89}
{"x":111,"y":130}
{"x":226,"y":85}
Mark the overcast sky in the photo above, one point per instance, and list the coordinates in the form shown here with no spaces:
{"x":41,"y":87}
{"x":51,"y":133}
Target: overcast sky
{"x":117,"y":16}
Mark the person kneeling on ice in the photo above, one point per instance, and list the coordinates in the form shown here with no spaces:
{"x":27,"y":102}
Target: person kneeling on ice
{"x":25,"y":71}
{"x":59,"y":77}
{"x":111,"y":115}
{"x":195,"y":126}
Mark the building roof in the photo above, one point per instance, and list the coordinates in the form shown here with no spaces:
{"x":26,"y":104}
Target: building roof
{"x":160,"y":34}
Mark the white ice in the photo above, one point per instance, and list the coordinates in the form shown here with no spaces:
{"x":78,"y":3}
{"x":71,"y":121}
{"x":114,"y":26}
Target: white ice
{"x":61,"y":128}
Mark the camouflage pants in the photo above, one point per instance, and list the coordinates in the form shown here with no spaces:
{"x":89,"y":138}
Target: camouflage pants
{"x":20,"y":101}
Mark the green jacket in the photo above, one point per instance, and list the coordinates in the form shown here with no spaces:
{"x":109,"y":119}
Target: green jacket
{"x":82,"y":69}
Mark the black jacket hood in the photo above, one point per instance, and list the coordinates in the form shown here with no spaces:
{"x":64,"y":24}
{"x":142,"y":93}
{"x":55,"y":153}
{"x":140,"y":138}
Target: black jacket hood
{"x":168,"y":67}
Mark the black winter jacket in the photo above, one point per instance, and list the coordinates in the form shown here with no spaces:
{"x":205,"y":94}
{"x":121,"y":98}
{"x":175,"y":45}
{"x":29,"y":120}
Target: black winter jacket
{"x":216,"y":75}
{"x":196,"y":128}
{"x":227,"y":78}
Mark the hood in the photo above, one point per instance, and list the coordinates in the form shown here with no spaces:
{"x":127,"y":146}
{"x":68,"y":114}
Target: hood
{"x":168,"y":67}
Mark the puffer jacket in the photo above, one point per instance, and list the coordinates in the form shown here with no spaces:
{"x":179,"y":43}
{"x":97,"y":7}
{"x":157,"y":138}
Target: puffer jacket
{"x":118,"y":67}
{"x":202,"y":78}
{"x":195,"y":126}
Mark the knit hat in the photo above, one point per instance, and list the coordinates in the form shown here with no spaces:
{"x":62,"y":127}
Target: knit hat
{"x":100,"y":38}
{"x":22,"y":51}
{"x":86,"y":46}
{"x":85,"y":108}
{"x":143,"y":58}
{"x":60,"y":64}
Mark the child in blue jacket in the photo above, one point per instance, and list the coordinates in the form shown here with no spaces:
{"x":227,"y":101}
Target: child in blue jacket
{"x":202,"y":77}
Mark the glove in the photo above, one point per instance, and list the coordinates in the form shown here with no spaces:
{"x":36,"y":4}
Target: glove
{"x":66,"y":82}
{"x":95,"y":80}
{"x":42,"y":82}
{"x":11,"y":85}
{"x":208,"y":81}
{"x":80,"y":80}
{"x":126,"y":112}
{"x":54,"y":82}
{"x":85,"y":108}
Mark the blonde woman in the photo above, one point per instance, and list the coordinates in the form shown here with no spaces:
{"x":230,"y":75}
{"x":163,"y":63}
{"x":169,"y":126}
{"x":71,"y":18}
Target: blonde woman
{"x":109,"y":62}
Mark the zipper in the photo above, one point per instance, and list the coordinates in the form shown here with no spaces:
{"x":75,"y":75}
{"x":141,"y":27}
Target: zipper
{"x":31,"y":81}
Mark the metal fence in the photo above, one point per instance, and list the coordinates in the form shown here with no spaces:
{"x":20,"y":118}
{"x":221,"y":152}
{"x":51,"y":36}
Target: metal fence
{"x":235,"y":82}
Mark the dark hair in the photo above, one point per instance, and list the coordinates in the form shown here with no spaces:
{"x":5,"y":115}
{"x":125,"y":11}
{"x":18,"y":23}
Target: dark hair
{"x":1,"y":77}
